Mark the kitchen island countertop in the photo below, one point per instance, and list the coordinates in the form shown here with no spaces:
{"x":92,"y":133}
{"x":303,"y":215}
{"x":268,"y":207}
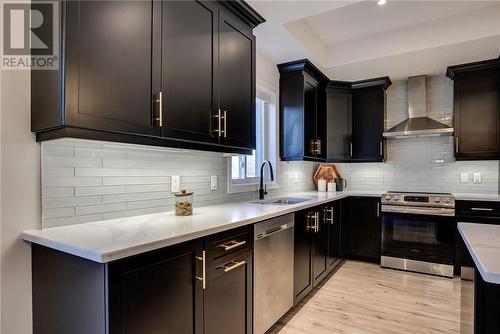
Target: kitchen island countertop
{"x":483,"y":243}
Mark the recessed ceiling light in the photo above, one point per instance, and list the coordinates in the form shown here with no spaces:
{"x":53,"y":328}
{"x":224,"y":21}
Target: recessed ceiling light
{"x":381,"y":2}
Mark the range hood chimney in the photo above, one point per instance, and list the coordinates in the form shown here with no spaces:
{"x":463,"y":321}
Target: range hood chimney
{"x":418,"y":124}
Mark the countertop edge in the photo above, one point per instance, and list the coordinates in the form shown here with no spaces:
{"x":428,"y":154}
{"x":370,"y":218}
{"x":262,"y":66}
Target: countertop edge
{"x":493,"y":278}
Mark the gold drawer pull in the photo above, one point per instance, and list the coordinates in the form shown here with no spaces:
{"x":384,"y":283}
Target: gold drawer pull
{"x":231,"y":265}
{"x":232,"y":244}
{"x":481,"y":209}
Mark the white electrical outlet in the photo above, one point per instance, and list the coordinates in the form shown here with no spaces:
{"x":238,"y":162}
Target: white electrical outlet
{"x":213,"y":182}
{"x":477,"y":178}
{"x":464,"y":177}
{"x":296,"y":178}
{"x":175,"y":183}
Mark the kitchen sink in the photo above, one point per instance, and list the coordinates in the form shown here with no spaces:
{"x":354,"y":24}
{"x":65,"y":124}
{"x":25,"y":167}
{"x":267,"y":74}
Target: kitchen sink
{"x":283,"y":201}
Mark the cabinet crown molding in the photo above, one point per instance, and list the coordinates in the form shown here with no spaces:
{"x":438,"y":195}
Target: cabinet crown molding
{"x":490,"y":64}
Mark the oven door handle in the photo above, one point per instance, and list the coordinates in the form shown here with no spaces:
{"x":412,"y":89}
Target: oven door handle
{"x":418,"y":210}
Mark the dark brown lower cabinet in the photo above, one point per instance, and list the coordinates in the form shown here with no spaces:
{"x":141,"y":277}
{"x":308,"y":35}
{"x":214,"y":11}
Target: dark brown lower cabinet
{"x":228,"y":297}
{"x":316,"y":251}
{"x":303,"y":277}
{"x":157,"y":292}
{"x":362,"y":226}
{"x":169,"y":290}
{"x":320,"y":247}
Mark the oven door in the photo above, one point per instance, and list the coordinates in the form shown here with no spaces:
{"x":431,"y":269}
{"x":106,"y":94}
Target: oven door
{"x":418,"y":236}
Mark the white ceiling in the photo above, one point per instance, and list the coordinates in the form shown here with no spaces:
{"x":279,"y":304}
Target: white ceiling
{"x":367,"y":18}
{"x":353,"y":40}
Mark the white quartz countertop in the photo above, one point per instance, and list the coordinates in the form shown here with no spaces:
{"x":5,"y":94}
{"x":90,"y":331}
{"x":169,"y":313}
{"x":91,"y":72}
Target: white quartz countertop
{"x":483,"y":243}
{"x":110,"y":240}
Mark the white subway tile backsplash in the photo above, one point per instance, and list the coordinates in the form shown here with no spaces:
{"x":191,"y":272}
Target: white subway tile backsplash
{"x":71,"y":181}
{"x":100,"y":172}
{"x":89,"y":180}
{"x":71,"y":201}
{"x":104,"y":190}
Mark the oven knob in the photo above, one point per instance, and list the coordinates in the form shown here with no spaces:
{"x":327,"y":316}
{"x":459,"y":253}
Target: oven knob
{"x":437,"y":200}
{"x":447,"y":200}
{"x":387,"y":197}
{"x":396,"y":198}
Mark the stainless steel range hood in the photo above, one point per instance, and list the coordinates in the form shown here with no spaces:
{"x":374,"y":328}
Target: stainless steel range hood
{"x":418,"y":124}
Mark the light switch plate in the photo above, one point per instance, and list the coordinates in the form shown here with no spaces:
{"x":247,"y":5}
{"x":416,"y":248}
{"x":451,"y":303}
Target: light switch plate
{"x":213,"y":182}
{"x":175,"y":183}
{"x":464,"y":177}
{"x":296,"y":178}
{"x":477,"y":178}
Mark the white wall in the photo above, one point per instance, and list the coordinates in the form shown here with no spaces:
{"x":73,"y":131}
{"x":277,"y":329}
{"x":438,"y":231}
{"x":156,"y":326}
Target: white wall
{"x":20,"y":196}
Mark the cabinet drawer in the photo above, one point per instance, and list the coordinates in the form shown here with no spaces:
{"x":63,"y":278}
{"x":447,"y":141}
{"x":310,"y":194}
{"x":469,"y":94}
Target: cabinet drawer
{"x":225,"y":246}
{"x":478,"y":209}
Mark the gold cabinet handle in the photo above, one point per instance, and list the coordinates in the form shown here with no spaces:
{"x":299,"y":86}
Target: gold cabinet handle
{"x":381,"y":148}
{"x":456,"y":144}
{"x":161,"y":109}
{"x":231,"y":265}
{"x":350,"y":149}
{"x":232,"y":245}
{"x":159,"y":100}
{"x":325,"y":218}
{"x":203,"y":277}
{"x":481,"y":209}
{"x":225,"y":124}
{"x":218,"y":123}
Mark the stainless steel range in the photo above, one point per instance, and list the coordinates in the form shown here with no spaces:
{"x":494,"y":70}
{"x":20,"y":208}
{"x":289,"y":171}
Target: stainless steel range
{"x":418,"y":232}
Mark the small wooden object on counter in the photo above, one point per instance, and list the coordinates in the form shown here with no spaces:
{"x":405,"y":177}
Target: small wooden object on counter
{"x":183,"y":203}
{"x":328,"y":172}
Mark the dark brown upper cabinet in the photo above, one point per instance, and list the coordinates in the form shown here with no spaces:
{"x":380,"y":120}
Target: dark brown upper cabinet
{"x":323,"y":120}
{"x":166,"y":73}
{"x":355,"y":113}
{"x":302,"y":111}
{"x":368,"y":114}
{"x":189,"y":81}
{"x":477,"y":110}
{"x":338,"y":121}
{"x":236,"y":82}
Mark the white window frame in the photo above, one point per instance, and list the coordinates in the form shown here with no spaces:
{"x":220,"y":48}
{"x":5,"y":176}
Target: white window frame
{"x":271,"y":142}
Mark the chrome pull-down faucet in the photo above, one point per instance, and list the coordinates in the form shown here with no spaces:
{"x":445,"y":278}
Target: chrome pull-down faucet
{"x":262,"y":188}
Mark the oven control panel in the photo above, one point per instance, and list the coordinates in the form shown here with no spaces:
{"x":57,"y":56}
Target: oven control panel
{"x":419,"y":199}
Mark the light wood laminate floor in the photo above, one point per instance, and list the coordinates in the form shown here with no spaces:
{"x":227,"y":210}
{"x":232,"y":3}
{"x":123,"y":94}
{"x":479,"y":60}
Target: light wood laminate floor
{"x":364,"y":298}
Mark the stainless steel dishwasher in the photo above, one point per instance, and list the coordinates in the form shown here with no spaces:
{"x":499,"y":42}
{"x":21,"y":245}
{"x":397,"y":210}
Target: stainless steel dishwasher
{"x":273,"y":271}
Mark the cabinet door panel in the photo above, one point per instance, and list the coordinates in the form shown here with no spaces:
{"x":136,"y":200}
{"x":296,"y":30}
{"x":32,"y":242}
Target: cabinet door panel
{"x":310,"y":115}
{"x":320,"y":250}
{"x":157,"y":293}
{"x":236,"y":82}
{"x":477,"y":115}
{"x":303,"y":280}
{"x":189,"y":69}
{"x":368,"y":124}
{"x":339,"y":108}
{"x":364,"y":229}
{"x":332,"y":219}
{"x":228,"y":298}
{"x":109,"y":65}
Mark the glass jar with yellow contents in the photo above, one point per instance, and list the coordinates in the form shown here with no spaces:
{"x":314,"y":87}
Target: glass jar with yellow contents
{"x":183,"y":203}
